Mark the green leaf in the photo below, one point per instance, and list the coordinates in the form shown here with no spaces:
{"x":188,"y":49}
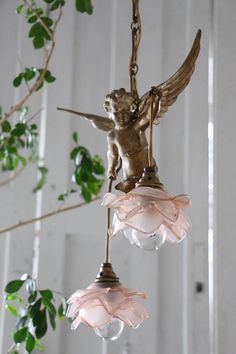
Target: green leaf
{"x":62,"y":309}
{"x":18,"y":80}
{"x":23,"y":160}
{"x":11,"y":297}
{"x":42,"y":180}
{"x":94,"y":186}
{"x":98,"y":167}
{"x":38,"y":42}
{"x":46,"y":294}
{"x":6,"y":127}
{"x":36,"y":29}
{"x":52,"y":320}
{"x":19,"y":8}
{"x":75,"y":137}
{"x":40,"y":322}
{"x":74,"y":153}
{"x":30,"y":343}
{"x":62,"y":197}
{"x":29,"y":74}
{"x":13,"y":286}
{"x":11,"y":149}
{"x":85,"y":193}
{"x":32,"y":297}
{"x":20,"y":335}
{"x":84,"y":6}
{"x":48,"y":77}
{"x":47,"y":21}
{"x":35,"y":308}
{"x":32,"y":19}
{"x":19,"y":129}
{"x":12,"y":309}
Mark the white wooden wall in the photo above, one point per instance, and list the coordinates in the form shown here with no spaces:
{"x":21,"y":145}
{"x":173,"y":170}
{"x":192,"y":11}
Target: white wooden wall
{"x":91,"y":59}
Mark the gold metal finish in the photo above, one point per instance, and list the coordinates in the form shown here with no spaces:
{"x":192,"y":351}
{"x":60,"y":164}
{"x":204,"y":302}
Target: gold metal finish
{"x":136,"y":36}
{"x":129,"y":117}
{"x":149,"y":179}
{"x":107,"y":244}
{"x":106,"y":276}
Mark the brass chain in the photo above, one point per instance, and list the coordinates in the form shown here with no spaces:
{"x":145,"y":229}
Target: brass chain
{"x":136,"y":35}
{"x":107,"y":244}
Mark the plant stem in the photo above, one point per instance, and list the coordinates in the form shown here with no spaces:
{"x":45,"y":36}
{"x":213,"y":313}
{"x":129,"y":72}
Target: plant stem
{"x":44,"y":216}
{"x":40,"y":79}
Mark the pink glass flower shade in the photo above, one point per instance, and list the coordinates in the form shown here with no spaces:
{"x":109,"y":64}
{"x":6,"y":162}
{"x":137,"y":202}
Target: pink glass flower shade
{"x":149,"y":216}
{"x":98,"y":306}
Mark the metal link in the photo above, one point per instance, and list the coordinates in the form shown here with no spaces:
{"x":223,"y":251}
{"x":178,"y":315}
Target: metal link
{"x":136,"y":34}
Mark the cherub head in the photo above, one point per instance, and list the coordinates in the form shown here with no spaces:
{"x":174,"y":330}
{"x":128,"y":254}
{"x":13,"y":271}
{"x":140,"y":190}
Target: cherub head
{"x":121,"y":107}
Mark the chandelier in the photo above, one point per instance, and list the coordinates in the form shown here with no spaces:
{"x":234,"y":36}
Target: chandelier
{"x":143,"y":211}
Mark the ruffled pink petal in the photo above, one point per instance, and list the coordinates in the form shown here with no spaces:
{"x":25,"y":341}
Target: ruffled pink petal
{"x":73,"y":308}
{"x":95,"y":316}
{"x":132,"y":313}
{"x":147,"y":221}
{"x":182,"y":201}
{"x":151,"y":193}
{"x":76,"y":322}
{"x":177,"y":232}
{"x":79,"y":294}
{"x":111,"y":200}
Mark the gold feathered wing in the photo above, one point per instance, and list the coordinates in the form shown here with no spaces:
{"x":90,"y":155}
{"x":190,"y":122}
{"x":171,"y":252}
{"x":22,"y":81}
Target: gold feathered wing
{"x":98,"y":122}
{"x":168,"y":91}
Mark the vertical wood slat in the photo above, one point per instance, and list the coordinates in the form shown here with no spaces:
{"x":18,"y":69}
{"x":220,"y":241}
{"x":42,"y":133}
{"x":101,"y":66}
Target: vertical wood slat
{"x":197,"y":167}
{"x":17,"y":246}
{"x":184,"y":314}
{"x":225,"y":173}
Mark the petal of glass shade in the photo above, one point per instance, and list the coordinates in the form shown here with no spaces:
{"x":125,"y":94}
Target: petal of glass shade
{"x":132,"y":313}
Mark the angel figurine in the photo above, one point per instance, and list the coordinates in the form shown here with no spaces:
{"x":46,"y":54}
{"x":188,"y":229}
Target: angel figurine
{"x":129,"y":117}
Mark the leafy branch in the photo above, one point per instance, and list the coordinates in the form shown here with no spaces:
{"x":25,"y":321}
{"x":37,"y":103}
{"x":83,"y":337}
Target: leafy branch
{"x":33,"y":312}
{"x":43,"y":29}
{"x":88,"y":172}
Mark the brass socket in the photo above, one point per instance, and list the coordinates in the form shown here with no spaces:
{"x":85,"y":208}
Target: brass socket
{"x":149,"y":178}
{"x":106,"y":276}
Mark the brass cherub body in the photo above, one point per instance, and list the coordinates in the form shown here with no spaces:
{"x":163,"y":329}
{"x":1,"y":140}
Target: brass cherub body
{"x":129,"y":117}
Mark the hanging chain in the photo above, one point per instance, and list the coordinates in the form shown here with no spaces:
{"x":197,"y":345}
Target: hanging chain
{"x":155,"y":96}
{"x":136,"y":35}
{"x":107,"y":245}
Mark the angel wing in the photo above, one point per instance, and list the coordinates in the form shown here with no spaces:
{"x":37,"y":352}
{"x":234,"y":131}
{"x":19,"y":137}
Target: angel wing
{"x":98,"y":122}
{"x":168,"y":91}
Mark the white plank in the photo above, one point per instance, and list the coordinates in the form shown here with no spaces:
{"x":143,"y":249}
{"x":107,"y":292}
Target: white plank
{"x":225,"y":172}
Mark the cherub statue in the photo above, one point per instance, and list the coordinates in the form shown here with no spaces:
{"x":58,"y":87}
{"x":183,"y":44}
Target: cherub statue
{"x":129,"y":117}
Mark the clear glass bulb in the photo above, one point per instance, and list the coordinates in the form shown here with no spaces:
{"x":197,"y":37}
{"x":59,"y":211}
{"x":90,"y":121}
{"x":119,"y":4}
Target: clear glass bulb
{"x":110,"y":331}
{"x":150,"y":242}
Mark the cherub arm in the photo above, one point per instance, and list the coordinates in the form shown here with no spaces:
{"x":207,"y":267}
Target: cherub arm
{"x":113,"y":158}
{"x":98,"y":122}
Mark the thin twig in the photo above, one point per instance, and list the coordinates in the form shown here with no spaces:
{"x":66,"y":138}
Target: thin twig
{"x":13,"y":177}
{"x":44,"y":216}
{"x":34,"y":115}
{"x":40,"y":79}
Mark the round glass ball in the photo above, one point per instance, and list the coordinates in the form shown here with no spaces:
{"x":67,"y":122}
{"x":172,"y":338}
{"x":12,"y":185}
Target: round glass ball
{"x":110,"y":331}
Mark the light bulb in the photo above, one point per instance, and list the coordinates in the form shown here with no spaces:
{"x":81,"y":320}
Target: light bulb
{"x":110,"y":331}
{"x":148,"y":242}
{"x":151,"y":243}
